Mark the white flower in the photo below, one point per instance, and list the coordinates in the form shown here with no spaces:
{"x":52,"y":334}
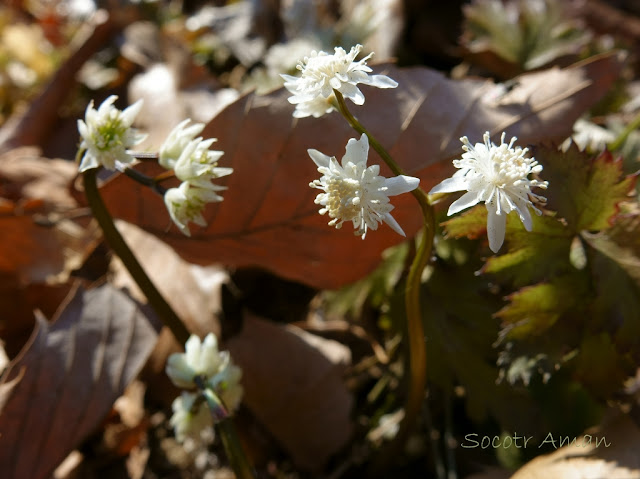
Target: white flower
{"x":199,"y":359}
{"x":588,"y":135}
{"x":198,"y":165}
{"x":498,"y":176}
{"x":322,"y":73}
{"x":191,"y":416}
{"x":107,"y":134}
{"x":226,"y":383}
{"x":355,"y":192}
{"x":186,"y":203}
{"x":214,"y":367}
{"x":177,"y":141}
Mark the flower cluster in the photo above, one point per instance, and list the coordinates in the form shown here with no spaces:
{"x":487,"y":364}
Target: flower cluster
{"x":212,"y":373}
{"x":107,"y":135}
{"x":496,"y":175}
{"x":356,"y":192}
{"x":323,"y":73}
{"x":195,"y":165}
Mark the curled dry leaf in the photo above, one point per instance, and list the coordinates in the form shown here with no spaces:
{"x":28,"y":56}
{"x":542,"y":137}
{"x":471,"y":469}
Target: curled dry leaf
{"x":611,"y":452}
{"x":39,"y":247}
{"x":268,"y":217}
{"x":294,"y":386}
{"x":65,"y":381}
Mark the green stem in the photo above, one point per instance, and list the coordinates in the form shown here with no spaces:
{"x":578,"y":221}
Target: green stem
{"x":232,"y":445}
{"x":120,"y":247}
{"x":415,"y":327}
{"x":633,"y":125}
{"x":235,"y":452}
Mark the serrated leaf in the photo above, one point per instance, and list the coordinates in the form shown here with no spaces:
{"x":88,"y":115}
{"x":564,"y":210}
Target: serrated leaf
{"x":531,"y":256}
{"x":64,"y":383}
{"x":532,"y":310}
{"x":600,"y":366}
{"x":584,"y":191}
{"x":268,"y":217}
{"x":460,"y":332}
{"x":471,"y":224}
{"x":535,"y":255}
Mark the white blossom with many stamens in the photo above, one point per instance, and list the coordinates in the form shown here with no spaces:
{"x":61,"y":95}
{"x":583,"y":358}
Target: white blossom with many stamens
{"x":496,"y":175}
{"x":107,"y":135}
{"x":322,"y":73}
{"x":356,"y":192}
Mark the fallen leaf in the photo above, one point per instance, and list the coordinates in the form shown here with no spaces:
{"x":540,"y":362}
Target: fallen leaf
{"x":192,"y":291}
{"x":268,"y":218}
{"x":64,"y":383}
{"x":293,"y":384}
{"x":616,"y":458}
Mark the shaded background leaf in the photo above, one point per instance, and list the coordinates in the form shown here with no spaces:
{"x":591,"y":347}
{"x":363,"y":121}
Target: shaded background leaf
{"x":268,"y":217}
{"x":64,"y":383}
{"x":294,"y":385}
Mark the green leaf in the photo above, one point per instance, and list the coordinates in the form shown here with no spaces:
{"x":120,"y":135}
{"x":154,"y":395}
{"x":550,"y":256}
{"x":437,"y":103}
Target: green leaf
{"x":471,"y":224}
{"x":460,"y":332}
{"x":600,"y":366}
{"x":584,"y":191}
{"x":534,"y":309}
{"x":534,"y":255}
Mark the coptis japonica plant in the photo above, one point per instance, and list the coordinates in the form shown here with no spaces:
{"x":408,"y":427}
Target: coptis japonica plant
{"x":107,"y":136}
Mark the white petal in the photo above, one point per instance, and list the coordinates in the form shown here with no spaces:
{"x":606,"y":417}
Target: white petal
{"x":356,"y":151}
{"x":129,"y":114}
{"x":524,"y":213}
{"x":88,"y":162}
{"x":318,"y":158}
{"x":465,"y":201}
{"x":496,"y":226}
{"x":353,"y":93}
{"x":381,"y":81}
{"x":450,"y":185}
{"x":400,"y":184}
{"x":391,"y":221}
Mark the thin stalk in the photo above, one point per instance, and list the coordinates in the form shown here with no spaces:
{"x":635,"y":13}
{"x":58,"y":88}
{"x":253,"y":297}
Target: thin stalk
{"x":633,"y":125}
{"x":117,"y":243}
{"x":415,"y":328}
{"x":232,"y":445}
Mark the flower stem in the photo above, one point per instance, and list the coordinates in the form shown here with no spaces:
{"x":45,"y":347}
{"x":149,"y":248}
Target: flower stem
{"x":633,"y":125}
{"x":415,"y":327}
{"x":120,"y":247}
{"x":237,"y":457}
{"x":232,"y":445}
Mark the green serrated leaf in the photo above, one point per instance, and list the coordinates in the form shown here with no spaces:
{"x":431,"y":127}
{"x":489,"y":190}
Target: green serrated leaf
{"x":471,"y":224}
{"x":535,"y":255}
{"x":600,"y":366}
{"x":534,"y":309}
{"x":584,"y":191}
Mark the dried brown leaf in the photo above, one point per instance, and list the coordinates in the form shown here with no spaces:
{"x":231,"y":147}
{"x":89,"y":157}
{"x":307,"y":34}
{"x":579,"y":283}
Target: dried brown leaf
{"x":583,"y":459}
{"x":63,"y":384}
{"x":268,"y":217}
{"x":294,"y":386}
